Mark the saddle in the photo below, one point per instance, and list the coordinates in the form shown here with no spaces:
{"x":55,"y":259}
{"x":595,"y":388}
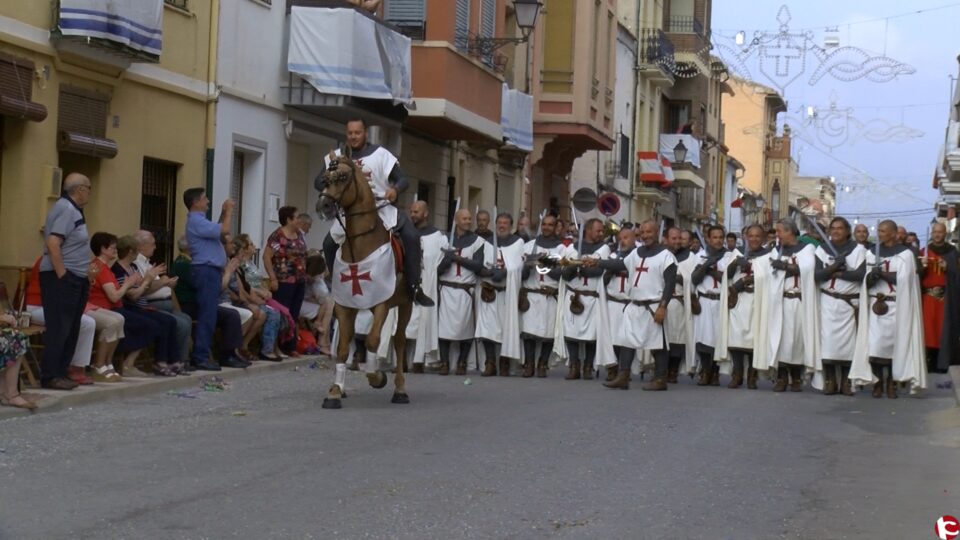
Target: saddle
{"x":397,"y":246}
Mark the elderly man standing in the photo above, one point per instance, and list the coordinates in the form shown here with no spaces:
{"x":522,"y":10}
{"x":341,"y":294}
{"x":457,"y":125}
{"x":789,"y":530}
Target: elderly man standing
{"x":160,"y":293}
{"x":207,"y":261}
{"x":64,"y":285}
{"x":458,"y":272}
{"x":423,"y":327}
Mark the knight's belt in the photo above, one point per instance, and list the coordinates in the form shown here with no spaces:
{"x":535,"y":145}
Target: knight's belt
{"x":838,"y":296}
{"x":462,"y":286}
{"x":936,"y":292}
{"x":591,"y":294}
{"x":618,"y":300}
{"x":884,"y":297}
{"x":497,"y":288}
{"x":645,"y":303}
{"x":792,"y":295}
{"x":546,"y":291}
{"x":748,"y":290}
{"x":678,"y":297}
{"x":710,"y":295}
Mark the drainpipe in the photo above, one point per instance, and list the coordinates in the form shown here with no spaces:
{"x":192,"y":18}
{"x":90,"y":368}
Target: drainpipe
{"x":636,"y":100}
{"x":210,"y":128}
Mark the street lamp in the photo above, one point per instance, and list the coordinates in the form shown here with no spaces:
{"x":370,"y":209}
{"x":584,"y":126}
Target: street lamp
{"x":526,"y":12}
{"x":679,"y":152}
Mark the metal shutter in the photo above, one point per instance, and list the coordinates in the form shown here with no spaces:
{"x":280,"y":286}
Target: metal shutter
{"x":463,"y":24}
{"x":488,"y":18}
{"x":236,"y":190}
{"x":406,"y":10}
{"x":83,"y":111}
{"x":16,"y":77}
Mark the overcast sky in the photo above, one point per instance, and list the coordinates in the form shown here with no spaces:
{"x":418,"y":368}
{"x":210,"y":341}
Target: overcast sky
{"x":900,"y":170}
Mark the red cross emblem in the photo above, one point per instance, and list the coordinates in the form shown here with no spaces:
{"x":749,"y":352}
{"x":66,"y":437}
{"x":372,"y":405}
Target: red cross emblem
{"x":459,"y":251}
{"x":623,"y":281}
{"x":355,"y":277}
{"x":796,"y":279}
{"x":640,"y":270}
{"x":886,"y":268}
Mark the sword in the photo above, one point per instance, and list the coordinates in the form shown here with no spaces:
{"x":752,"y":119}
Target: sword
{"x":876,"y":247}
{"x":663,"y":223}
{"x":576,"y":222}
{"x":453,"y":222}
{"x":703,"y":243}
{"x":826,"y":239}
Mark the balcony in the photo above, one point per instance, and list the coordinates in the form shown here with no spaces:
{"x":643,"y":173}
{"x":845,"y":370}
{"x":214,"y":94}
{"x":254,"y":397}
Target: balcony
{"x":951,"y":159}
{"x":116,"y":34}
{"x":656,"y":56}
{"x":333,"y":62}
{"x":458,"y":97}
{"x":679,"y":24}
{"x":690,"y":40}
{"x":687,"y":173}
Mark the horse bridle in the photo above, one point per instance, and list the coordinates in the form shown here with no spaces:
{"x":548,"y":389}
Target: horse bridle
{"x":334,"y":177}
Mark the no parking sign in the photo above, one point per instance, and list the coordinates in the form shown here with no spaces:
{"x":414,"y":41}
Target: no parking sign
{"x":608,"y":204}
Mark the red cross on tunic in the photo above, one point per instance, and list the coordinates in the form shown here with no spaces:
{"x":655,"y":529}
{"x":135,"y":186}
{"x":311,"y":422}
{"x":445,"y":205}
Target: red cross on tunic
{"x":459,"y":251}
{"x":796,"y":278}
{"x":623,"y":282}
{"x":833,"y":282}
{"x":355,"y":277}
{"x":640,"y":270}
{"x":886,"y":268}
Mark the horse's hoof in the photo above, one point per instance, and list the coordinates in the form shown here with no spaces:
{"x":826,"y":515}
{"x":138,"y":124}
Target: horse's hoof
{"x":329,"y":403}
{"x":382,"y":381}
{"x":400,"y":398}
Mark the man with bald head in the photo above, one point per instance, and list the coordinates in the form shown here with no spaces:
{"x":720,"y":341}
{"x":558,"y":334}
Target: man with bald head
{"x":63,"y":280}
{"x":933,"y":286}
{"x":889,"y":346}
{"x":159,"y":294}
{"x":462,"y":264}
{"x":861,"y":234}
{"x":423,"y":327}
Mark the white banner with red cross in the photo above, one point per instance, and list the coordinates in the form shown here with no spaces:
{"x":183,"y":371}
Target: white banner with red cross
{"x":367,"y":283}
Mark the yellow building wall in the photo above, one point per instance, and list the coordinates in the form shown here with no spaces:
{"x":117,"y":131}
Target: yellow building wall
{"x":745,"y":132}
{"x":159,"y":114}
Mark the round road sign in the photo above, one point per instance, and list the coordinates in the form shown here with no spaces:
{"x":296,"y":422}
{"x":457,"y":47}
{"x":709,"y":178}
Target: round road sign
{"x":608,"y":204}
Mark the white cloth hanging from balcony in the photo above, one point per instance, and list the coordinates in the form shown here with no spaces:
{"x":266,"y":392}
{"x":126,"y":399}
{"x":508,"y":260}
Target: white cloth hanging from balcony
{"x":668,"y":141}
{"x":137,"y":24}
{"x":341,"y":51}
{"x":516,"y":118}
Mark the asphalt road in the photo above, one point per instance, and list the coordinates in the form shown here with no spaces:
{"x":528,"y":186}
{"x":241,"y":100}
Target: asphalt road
{"x":498,"y":458}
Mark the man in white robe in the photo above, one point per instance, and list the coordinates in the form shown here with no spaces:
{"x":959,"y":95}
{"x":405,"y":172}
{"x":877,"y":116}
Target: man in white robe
{"x":584,"y":307}
{"x":423,"y":327}
{"x":742,"y":322}
{"x":841,"y":267}
{"x":707,"y":277}
{"x":793,"y":310}
{"x":618,"y":298}
{"x":679,"y":312}
{"x":459,"y":270}
{"x":890,"y":334}
{"x":539,"y":293}
{"x":387,"y":181}
{"x":498,"y":320}
{"x":652,"y":271}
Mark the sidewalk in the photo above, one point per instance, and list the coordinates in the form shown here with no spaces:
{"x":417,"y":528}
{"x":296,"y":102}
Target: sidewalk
{"x":54,"y":400}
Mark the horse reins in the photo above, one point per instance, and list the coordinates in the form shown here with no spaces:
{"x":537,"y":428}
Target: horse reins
{"x":341,"y":219}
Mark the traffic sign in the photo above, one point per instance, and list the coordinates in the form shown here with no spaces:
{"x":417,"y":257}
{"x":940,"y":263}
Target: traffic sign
{"x":585,"y":200}
{"x":608,"y":204}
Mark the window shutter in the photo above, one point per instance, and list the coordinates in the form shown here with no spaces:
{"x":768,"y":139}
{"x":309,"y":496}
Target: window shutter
{"x":463,"y":24}
{"x":488,"y":18}
{"x":16,"y":77}
{"x":624,"y":156}
{"x":83,"y":111}
{"x":406,"y":10}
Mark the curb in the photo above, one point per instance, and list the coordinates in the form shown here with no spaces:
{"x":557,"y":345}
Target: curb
{"x":955,"y":377}
{"x":85,"y":395}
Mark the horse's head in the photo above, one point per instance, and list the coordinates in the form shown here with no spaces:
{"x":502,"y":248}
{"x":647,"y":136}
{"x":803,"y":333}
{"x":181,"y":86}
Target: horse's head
{"x":338,"y":186}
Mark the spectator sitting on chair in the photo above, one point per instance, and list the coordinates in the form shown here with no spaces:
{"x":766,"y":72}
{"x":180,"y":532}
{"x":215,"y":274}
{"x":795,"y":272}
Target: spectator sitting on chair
{"x":230,"y":283}
{"x":84,"y":348}
{"x":228,"y":320}
{"x":160,"y":295}
{"x":255,"y":299}
{"x":166,"y":355}
{"x":13,"y":345}
{"x":317,"y":309}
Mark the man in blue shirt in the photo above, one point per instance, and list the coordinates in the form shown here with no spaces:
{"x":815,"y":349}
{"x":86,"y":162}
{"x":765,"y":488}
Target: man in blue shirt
{"x":207,"y":263}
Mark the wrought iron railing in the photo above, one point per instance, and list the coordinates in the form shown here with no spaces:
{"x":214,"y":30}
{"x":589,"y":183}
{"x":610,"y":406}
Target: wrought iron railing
{"x":656,"y":48}
{"x":684,"y":24}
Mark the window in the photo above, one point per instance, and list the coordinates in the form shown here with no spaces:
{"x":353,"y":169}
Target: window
{"x":775,"y":200}
{"x":423,"y":192}
{"x":678,"y":116}
{"x":409,"y":16}
{"x":624,"y":165}
{"x":179,"y":4}
{"x":462,"y":31}
{"x":158,"y":206}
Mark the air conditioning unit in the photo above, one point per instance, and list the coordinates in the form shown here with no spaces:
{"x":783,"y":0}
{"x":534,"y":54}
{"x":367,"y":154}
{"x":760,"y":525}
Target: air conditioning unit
{"x":53,"y":178}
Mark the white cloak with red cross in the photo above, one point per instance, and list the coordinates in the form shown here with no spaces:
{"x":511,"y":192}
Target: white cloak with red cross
{"x":367,"y":283}
{"x":639,"y":330}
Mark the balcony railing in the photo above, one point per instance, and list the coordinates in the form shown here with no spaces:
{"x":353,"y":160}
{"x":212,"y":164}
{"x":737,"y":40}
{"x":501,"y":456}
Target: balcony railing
{"x":655,"y":48}
{"x":483,"y":50}
{"x":682,"y":24}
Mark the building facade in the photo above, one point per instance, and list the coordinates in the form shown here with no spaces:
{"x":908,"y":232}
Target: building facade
{"x":126,"y":105}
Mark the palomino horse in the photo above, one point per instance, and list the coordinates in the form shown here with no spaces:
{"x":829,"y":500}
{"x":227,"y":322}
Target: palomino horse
{"x":346,"y":195}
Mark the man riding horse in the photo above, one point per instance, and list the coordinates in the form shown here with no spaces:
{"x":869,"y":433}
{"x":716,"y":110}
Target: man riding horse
{"x":359,"y":190}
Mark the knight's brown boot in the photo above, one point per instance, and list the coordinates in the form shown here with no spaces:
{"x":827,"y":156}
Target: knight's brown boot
{"x":704,"y":379}
{"x":461,"y":367}
{"x":574,"y":372}
{"x":656,"y":385}
{"x":489,"y":368}
{"x":418,"y":368}
{"x":736,"y":380}
{"x":878,"y":389}
{"x":504,"y":367}
{"x":751,"y":379}
{"x":541,"y":368}
{"x":588,"y":370}
{"x":611,"y":372}
{"x":621,"y":381}
{"x":891,"y":388}
{"x":528,"y":368}
{"x":845,"y":387}
{"x":830,"y":384}
{"x":672,"y":376}
{"x":781,"y":383}
{"x":715,"y":376}
{"x":444,"y":368}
